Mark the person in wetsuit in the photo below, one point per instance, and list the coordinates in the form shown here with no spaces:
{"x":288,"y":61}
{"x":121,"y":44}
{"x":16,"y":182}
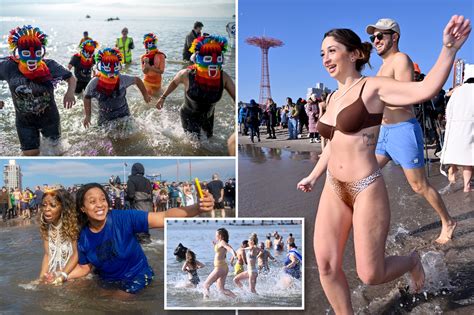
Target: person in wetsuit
{"x":204,"y":83}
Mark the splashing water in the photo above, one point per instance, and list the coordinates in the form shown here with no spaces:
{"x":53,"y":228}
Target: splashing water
{"x":148,"y":132}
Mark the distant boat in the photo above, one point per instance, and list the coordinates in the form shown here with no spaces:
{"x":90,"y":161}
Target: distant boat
{"x":113,"y":19}
{"x":88,"y":16}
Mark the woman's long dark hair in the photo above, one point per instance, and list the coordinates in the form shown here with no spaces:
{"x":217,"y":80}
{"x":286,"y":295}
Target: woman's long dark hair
{"x":224,"y":234}
{"x":80,"y":195}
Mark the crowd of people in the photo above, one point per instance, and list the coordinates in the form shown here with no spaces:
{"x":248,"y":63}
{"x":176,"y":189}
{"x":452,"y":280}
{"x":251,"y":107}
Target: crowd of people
{"x":97,"y":74}
{"x":138,"y":193}
{"x":78,"y":224}
{"x":300,"y":119}
{"x":249,"y":260}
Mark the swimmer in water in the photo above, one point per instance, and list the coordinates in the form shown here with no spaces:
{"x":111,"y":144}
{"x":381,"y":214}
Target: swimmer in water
{"x":191,"y":266}
{"x":252,"y":269}
{"x":30,"y":78}
{"x":203,"y":83}
{"x":263,"y":257}
{"x":241,"y":259}
{"x":153,"y":64}
{"x":107,"y":241}
{"x":110,"y":88}
{"x":221,"y":269}
{"x":59,"y":231}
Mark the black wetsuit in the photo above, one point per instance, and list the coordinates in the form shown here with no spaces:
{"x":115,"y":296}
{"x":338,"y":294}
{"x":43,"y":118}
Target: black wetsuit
{"x":198,"y":110}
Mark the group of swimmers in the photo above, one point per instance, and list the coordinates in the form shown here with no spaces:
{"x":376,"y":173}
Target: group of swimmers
{"x":87,"y":235}
{"x":32,"y":79}
{"x":251,"y":253}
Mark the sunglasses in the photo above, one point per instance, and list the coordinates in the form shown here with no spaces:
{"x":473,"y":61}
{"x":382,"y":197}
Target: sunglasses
{"x":380,"y":35}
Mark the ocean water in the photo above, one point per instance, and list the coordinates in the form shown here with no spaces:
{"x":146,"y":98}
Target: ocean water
{"x":197,"y":235}
{"x":20,"y":294}
{"x":149,"y":132}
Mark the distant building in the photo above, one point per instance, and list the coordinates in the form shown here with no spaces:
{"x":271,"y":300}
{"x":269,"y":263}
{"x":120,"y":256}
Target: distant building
{"x":12,"y":175}
{"x":318,"y":90}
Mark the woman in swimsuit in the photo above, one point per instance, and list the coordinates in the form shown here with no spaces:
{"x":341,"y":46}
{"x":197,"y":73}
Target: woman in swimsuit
{"x":354,"y":193}
{"x":191,"y":265}
{"x":221,"y":269}
{"x":252,"y":268}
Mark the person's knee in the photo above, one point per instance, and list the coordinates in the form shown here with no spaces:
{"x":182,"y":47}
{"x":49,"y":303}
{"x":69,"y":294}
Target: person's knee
{"x":420,"y":186}
{"x":327,"y":265}
{"x":370,"y":275}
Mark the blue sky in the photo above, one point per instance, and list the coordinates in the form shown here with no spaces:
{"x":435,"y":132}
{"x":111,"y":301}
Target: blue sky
{"x":80,"y":171}
{"x":121,"y":8}
{"x":301,"y":24}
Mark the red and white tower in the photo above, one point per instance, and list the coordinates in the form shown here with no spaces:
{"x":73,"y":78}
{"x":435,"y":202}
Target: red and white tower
{"x":265,"y":43}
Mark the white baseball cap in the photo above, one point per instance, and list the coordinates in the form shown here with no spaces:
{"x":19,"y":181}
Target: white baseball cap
{"x":383,"y":24}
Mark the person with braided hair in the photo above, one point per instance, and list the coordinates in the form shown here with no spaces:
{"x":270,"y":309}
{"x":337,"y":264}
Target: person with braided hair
{"x":204,"y":82}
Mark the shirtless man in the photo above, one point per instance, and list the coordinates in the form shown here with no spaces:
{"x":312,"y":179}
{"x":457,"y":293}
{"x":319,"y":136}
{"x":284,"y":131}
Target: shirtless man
{"x":241,"y":259}
{"x":401,"y":137}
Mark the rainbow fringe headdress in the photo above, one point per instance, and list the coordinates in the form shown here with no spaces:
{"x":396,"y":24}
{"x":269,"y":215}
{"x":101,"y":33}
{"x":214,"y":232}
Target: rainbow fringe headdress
{"x":110,"y":56}
{"x":205,"y":46}
{"x":209,"y":44}
{"x":149,"y":38}
{"x":26,"y":36}
{"x":90,"y":43}
{"x":89,"y":46}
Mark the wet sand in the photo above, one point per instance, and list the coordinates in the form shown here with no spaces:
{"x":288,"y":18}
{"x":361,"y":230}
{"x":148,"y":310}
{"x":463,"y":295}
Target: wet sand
{"x":268,"y":173}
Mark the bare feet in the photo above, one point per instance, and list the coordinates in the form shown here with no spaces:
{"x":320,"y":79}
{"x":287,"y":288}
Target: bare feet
{"x":447,"y":231}
{"x":417,"y":273}
{"x":467,"y":188}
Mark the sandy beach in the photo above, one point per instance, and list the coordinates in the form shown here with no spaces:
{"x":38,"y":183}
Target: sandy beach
{"x":268,"y":173}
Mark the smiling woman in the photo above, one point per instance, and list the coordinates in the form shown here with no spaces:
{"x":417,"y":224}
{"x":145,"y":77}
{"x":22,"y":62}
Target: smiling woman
{"x":108,"y":242}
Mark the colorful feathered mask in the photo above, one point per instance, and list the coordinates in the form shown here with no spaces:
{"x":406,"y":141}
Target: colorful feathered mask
{"x":209,"y":54}
{"x":150,"y":40}
{"x":30,"y":43}
{"x":109,"y":64}
{"x":88,"y":47}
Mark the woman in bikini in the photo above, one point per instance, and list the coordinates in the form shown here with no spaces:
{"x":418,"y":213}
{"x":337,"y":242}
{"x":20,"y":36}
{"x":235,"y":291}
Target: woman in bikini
{"x":354,"y":194}
{"x":252,"y":268}
{"x":221,"y":269}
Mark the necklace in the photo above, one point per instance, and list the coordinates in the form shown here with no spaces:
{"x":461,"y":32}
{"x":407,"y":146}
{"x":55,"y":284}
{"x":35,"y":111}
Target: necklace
{"x":348,"y":89}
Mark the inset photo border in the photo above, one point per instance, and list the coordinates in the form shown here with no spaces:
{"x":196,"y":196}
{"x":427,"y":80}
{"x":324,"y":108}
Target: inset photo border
{"x":198,"y":257}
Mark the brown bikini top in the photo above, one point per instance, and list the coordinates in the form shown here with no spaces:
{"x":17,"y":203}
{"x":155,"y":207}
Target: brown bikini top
{"x":351,"y":119}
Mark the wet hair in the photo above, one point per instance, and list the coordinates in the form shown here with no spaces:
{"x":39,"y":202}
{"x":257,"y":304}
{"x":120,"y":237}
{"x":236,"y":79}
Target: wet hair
{"x":292,"y":245}
{"x":224,"y":234}
{"x":291,"y":235}
{"x":80,"y":195}
{"x":268,"y":237}
{"x":245,"y":243}
{"x":253,"y":237}
{"x":352,"y":42}
{"x":191,"y":258}
{"x":70,"y":227}
{"x":198,"y":24}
